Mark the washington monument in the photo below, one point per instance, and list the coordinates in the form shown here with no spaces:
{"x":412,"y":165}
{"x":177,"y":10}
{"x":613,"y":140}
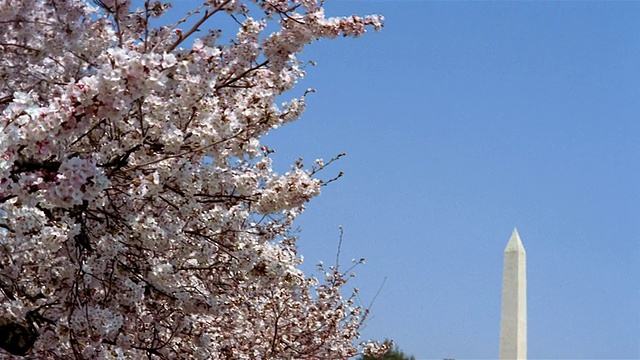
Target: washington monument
{"x":513,"y":326}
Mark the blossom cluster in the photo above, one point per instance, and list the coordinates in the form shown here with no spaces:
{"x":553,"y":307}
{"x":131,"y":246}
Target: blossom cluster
{"x":140,"y":216}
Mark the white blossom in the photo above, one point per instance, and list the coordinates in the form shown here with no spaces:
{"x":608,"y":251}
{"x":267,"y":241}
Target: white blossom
{"x":140,"y":215}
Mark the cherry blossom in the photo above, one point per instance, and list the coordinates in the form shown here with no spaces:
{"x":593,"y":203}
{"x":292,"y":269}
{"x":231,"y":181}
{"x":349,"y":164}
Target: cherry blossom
{"x":140,"y":216}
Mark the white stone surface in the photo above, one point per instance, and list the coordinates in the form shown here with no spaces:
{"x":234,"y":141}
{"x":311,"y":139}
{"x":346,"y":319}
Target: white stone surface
{"x":513,"y":325}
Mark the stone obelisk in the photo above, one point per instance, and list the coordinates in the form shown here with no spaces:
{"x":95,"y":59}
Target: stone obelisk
{"x":513,"y":326}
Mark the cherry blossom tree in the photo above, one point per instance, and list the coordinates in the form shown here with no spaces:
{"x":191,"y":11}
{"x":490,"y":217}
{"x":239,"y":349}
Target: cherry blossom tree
{"x":140,"y":216}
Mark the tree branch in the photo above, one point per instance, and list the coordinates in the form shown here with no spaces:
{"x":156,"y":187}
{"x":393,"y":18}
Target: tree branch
{"x":196,"y":26}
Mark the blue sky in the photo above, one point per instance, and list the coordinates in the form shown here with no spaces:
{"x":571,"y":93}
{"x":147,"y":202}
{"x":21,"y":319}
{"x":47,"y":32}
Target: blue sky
{"x":461,"y":121}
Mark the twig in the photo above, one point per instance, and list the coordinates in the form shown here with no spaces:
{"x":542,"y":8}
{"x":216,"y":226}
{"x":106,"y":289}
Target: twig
{"x":6,"y":99}
{"x":339,"y":247}
{"x":183,"y":153}
{"x":196,"y":26}
{"x":241,"y":75}
{"x":377,"y":293}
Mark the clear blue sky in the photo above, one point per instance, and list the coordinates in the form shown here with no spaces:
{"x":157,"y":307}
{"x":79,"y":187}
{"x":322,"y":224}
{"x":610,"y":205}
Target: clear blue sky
{"x":463,"y":120}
